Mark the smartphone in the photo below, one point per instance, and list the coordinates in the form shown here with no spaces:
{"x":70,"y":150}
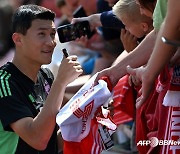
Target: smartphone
{"x":70,"y":32}
{"x":170,"y":42}
{"x":79,"y":12}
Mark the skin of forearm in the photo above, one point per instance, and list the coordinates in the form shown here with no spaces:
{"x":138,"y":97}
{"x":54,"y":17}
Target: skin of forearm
{"x":95,"y":20}
{"x":37,"y":132}
{"x":50,"y":109}
{"x":138,"y":57}
{"x":162,"y":52}
{"x":120,"y":57}
{"x":55,"y":97}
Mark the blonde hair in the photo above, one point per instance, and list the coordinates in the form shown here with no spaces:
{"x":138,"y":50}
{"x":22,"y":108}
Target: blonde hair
{"x":130,"y":10}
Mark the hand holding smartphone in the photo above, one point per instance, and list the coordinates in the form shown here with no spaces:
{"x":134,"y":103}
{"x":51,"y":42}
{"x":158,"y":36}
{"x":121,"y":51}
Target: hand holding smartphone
{"x":71,"y":32}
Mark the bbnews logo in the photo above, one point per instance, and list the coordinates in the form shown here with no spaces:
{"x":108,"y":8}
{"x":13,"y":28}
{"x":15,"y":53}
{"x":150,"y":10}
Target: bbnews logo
{"x":153,"y":142}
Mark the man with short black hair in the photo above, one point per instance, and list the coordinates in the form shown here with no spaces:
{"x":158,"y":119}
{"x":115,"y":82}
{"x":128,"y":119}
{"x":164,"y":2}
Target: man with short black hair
{"x":29,"y":101}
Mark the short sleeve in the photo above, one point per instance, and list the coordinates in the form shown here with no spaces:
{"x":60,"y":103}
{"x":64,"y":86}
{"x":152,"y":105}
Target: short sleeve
{"x":159,"y":13}
{"x":13,"y":108}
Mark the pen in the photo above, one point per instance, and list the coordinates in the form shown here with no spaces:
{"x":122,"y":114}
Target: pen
{"x":65,"y":52}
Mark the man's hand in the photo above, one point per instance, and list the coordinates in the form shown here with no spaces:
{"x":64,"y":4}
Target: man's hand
{"x":69,"y":69}
{"x":147,"y":83}
{"x":94,"y":20}
{"x":133,"y":80}
{"x":109,"y":72}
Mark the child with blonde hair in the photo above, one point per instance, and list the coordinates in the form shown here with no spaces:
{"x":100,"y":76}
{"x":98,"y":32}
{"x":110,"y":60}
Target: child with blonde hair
{"x":136,"y":24}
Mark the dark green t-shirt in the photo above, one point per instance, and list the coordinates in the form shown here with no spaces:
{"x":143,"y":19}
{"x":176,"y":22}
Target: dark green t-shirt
{"x":20,"y":97}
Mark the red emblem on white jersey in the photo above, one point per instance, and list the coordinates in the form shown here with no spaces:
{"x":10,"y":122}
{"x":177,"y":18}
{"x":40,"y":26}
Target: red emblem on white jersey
{"x":87,"y":110}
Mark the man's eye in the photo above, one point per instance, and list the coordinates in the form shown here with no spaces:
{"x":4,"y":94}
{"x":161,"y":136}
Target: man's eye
{"x":42,"y":34}
{"x":53,"y":34}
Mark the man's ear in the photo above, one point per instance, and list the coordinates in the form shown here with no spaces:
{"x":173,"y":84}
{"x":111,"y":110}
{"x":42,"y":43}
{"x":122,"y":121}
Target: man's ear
{"x":16,"y":37}
{"x":145,"y":27}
